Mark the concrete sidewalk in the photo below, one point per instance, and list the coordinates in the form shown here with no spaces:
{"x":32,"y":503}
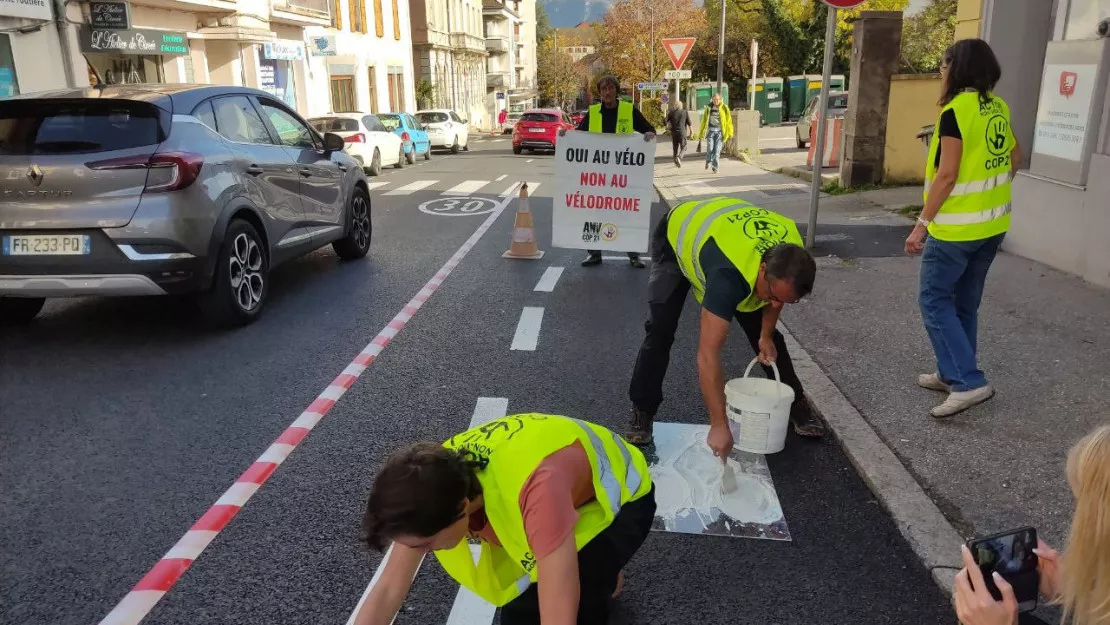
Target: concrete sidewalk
{"x":1044,"y":339}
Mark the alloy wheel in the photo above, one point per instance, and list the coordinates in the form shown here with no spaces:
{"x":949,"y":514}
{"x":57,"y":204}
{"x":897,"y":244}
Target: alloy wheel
{"x":360,"y":221}
{"x":245,"y":270}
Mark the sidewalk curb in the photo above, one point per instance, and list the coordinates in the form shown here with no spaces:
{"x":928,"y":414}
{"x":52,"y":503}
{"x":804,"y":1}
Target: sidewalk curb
{"x":935,"y":541}
{"x":803,"y":173}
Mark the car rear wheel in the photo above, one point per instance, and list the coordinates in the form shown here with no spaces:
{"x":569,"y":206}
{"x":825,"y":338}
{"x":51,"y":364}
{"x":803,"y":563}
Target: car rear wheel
{"x":798,"y":139}
{"x":455,"y":145}
{"x":357,"y":242}
{"x":517,"y":149}
{"x":375,"y":168}
{"x":466,"y":146}
{"x":411,"y":156}
{"x":428,"y":153}
{"x":242,"y":278}
{"x":400,"y":157}
{"x":15,"y":310}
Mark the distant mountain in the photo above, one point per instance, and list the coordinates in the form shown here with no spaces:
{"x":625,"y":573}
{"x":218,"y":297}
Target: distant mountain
{"x":569,"y":13}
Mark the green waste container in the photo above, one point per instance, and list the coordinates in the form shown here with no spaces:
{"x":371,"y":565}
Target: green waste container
{"x":837,"y":82}
{"x":795,"y":96}
{"x":699,"y":93}
{"x":766,"y":93}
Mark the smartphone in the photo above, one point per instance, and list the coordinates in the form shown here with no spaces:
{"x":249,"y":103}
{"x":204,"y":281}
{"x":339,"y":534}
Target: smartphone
{"x":1010,"y":554}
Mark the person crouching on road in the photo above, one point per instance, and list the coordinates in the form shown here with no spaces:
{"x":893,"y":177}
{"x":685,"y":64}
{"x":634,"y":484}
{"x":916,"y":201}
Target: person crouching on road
{"x":972,"y":160}
{"x":614,"y":116}
{"x":741,"y":261}
{"x":716,"y":129}
{"x":558,"y":505}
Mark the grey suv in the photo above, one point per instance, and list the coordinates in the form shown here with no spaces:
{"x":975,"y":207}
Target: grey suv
{"x":160,"y":189}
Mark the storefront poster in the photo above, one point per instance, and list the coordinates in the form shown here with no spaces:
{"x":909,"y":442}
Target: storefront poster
{"x":133,"y":41}
{"x":283,"y":51}
{"x":29,"y":9}
{"x":110,"y":15}
{"x":7,"y":83}
{"x":604,"y":193}
{"x":1064,"y":111}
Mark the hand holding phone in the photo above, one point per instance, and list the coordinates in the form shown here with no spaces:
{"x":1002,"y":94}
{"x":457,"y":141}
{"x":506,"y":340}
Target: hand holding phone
{"x":1011,"y":555}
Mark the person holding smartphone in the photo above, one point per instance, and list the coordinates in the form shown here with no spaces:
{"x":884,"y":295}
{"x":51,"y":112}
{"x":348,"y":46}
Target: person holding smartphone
{"x":1079,"y":579}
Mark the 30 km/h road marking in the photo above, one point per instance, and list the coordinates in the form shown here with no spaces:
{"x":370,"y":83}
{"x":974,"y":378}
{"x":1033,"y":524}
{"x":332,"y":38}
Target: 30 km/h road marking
{"x":137,"y":603}
{"x":528,"y":329}
{"x":459,"y":207}
{"x":486,"y":409}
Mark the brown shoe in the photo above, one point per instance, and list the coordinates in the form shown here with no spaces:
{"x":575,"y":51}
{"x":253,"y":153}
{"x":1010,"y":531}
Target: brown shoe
{"x":806,"y":424}
{"x":639,"y":428}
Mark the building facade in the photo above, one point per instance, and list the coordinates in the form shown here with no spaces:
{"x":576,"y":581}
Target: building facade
{"x":31,"y":48}
{"x":449,"y":52}
{"x":1056,"y":68}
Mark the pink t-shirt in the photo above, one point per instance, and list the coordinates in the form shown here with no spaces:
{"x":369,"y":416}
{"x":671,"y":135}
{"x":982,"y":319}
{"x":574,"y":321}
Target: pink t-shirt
{"x":549,"y":500}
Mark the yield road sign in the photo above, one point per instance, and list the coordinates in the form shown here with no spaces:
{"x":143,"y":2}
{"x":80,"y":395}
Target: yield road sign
{"x":678,"y":48}
{"x":677,"y":74}
{"x":651,"y":86}
{"x":844,"y":4}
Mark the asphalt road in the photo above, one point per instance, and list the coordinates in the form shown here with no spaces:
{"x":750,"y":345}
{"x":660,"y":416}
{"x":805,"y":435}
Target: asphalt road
{"x":123,"y":421}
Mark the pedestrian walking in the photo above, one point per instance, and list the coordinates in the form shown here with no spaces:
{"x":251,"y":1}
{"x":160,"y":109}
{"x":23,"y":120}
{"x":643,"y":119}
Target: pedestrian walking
{"x":972,"y":159}
{"x":558,"y":505}
{"x":614,"y":116}
{"x":716,"y":129}
{"x":501,"y":118}
{"x":742,"y":262}
{"x":678,"y":123}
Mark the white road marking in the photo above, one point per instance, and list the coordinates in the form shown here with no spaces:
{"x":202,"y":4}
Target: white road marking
{"x":370,"y":186}
{"x":469,"y":608}
{"x":529,"y":160}
{"x":625,"y":258}
{"x":412,"y":187}
{"x":548,"y":279}
{"x":528,"y":329}
{"x":514,"y":189}
{"x":501,"y":177}
{"x":466,"y":188}
{"x":486,"y":409}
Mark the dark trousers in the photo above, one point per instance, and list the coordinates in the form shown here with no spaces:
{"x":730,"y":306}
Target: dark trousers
{"x":598,"y":253}
{"x":599,"y":562}
{"x":678,"y":143}
{"x":667,"y":290}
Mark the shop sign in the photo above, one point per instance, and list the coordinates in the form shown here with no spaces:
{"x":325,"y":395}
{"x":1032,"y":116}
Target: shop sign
{"x":133,"y":41}
{"x":283,"y":51}
{"x":110,"y":15}
{"x":1065,"y":110}
{"x":28,"y":9}
{"x":323,"y":46}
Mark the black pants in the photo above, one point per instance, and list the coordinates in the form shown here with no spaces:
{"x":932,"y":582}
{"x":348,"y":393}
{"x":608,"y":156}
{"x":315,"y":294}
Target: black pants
{"x":599,"y":562}
{"x":667,"y":290}
{"x":598,"y":253}
{"x":678,"y":143}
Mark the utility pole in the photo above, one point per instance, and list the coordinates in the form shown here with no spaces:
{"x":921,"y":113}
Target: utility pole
{"x":721,"y":53}
{"x":822,"y":114}
{"x":651,"y":44}
{"x":451,"y":47}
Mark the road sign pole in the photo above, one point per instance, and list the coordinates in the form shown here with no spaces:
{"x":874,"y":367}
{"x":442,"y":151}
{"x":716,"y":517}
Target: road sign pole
{"x":822,"y":114}
{"x":721,"y":53}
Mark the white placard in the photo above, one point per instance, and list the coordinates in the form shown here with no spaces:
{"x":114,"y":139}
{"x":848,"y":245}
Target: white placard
{"x":605,"y":191}
{"x":30,"y":9}
{"x":1064,"y":111}
{"x":678,"y":74}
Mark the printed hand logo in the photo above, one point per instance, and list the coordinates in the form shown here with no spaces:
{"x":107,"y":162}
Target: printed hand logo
{"x":1067,"y":83}
{"x":998,"y":131}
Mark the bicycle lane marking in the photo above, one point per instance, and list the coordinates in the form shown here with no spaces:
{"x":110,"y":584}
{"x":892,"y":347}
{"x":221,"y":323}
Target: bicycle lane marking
{"x":149,"y":590}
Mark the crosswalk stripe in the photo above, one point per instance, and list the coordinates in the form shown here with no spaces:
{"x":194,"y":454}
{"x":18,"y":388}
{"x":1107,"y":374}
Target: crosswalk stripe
{"x":466,"y":188}
{"x":514,"y":189}
{"x":412,"y":187}
{"x":370,"y":186}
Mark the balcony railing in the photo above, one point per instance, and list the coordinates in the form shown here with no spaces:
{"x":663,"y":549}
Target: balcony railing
{"x":497,"y":79}
{"x":468,"y":42}
{"x":499,"y":45}
{"x":313,"y":8}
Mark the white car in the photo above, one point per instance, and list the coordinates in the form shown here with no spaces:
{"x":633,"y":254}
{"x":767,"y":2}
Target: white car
{"x":445,"y":129}
{"x":510,"y":122}
{"x":366,"y":139}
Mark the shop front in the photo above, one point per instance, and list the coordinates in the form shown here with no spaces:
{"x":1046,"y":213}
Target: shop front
{"x":276,"y":69}
{"x":30,"y":52}
{"x":134,"y":55}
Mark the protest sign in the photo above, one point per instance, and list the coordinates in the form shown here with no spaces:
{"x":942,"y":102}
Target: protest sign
{"x":604,"y":192}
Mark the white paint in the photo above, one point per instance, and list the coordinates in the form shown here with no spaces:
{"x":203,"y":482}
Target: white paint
{"x":469,"y":608}
{"x":487,"y":409}
{"x":548,"y":279}
{"x":529,"y":160}
{"x":370,"y":186}
{"x":528,"y":329}
{"x":374,"y":582}
{"x":467,"y":187}
{"x":501,"y":177}
{"x":412,"y":187}
{"x":514,"y":189}
{"x":625,"y":258}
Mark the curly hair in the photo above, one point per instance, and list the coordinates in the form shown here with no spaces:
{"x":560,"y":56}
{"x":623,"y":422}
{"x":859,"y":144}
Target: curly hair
{"x":419,"y":492}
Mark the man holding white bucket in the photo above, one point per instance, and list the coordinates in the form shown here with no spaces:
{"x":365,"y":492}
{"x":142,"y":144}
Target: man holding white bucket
{"x":742,"y":261}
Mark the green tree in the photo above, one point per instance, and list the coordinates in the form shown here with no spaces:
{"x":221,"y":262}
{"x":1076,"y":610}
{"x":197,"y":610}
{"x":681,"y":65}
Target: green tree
{"x":558,"y":75}
{"x":425,"y":94}
{"x":625,"y":41}
{"x":543,"y":23}
{"x":927,"y":35}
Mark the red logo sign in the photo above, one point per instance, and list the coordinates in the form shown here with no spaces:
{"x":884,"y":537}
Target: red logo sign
{"x":1067,"y":83}
{"x":844,"y":4}
{"x":678,"y":48}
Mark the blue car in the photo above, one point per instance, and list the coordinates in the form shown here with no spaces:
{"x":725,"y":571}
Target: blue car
{"x":413,"y":135}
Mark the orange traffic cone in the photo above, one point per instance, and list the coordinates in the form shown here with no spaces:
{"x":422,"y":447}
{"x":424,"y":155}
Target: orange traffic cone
{"x":523,"y":242}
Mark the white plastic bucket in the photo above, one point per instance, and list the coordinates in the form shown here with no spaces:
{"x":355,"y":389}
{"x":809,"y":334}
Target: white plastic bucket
{"x":760,"y":408}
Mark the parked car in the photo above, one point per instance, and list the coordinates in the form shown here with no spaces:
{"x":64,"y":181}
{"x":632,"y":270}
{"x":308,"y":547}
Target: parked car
{"x":578,"y":116}
{"x":510,"y":121}
{"x":167,"y":189}
{"x":368,"y":139}
{"x":538,"y":129}
{"x":412,"y":134}
{"x":838,"y":107}
{"x":446,"y":129}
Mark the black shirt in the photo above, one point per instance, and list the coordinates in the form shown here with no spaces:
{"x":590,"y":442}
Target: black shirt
{"x":949,"y":127}
{"x":678,"y":119}
{"x":725,"y":286}
{"x":609,"y":121}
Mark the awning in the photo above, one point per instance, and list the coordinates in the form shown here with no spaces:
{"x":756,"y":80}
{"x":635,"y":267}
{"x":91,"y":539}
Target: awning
{"x":522,"y":95}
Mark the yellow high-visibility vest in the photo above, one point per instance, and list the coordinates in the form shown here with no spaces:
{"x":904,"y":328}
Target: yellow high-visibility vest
{"x":624,"y":118}
{"x":742,"y":231}
{"x":509,"y":450}
{"x":979,"y":205}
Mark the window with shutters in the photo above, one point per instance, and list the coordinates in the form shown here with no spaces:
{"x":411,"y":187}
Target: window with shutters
{"x":336,"y":14}
{"x":396,"y":21}
{"x":358,"y":16}
{"x":379,"y":26}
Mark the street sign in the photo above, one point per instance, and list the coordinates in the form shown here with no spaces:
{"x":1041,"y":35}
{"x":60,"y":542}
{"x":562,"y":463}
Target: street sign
{"x":678,"y":48}
{"x":677,"y":74}
{"x":665,"y":98}
{"x":651,"y":86}
{"x":844,"y":4}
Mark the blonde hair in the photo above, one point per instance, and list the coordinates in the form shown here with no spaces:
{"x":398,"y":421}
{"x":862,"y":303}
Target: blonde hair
{"x":1086,"y":562}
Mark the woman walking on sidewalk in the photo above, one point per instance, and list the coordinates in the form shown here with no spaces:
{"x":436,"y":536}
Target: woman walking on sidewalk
{"x":972,"y":159}
{"x":716,"y":129}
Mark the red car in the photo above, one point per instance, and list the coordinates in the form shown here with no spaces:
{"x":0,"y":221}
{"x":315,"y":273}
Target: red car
{"x":538,"y":129}
{"x":578,"y":116}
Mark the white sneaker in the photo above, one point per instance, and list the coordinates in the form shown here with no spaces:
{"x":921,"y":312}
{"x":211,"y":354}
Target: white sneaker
{"x":958,"y":401}
{"x":933,"y":382}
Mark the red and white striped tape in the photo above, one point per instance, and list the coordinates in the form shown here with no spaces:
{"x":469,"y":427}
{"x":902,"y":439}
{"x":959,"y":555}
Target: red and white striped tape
{"x":134,"y":607}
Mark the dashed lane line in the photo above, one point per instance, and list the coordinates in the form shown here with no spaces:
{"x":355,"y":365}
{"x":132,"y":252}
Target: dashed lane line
{"x":528,"y":329}
{"x":548,"y":279}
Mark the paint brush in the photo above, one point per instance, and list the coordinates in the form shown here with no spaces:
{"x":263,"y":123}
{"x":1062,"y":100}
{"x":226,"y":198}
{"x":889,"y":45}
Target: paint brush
{"x":728,"y":480}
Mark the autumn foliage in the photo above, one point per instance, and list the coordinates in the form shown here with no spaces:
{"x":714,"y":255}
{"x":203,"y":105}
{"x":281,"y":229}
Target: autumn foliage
{"x":626,"y":36}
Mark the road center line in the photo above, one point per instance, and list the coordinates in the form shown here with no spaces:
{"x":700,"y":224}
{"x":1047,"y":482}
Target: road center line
{"x":528,"y":329}
{"x":142,"y":598}
{"x":501,"y":177}
{"x":486,"y":409}
{"x":548,"y":279}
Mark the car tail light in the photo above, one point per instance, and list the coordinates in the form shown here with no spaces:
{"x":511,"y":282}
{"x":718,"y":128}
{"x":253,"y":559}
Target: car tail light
{"x":356,"y":138}
{"x":166,"y":171}
{"x":405,"y":137}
